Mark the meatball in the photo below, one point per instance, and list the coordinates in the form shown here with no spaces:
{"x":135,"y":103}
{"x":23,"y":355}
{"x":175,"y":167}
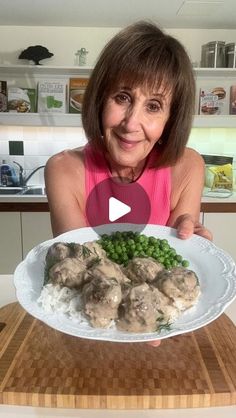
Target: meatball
{"x":89,"y":252}
{"x":144,"y":309}
{"x":107,"y":269}
{"x":179,"y":284}
{"x":140,"y":270}
{"x":57,"y":252}
{"x":95,"y":248}
{"x":68,"y":272}
{"x":101,"y":298}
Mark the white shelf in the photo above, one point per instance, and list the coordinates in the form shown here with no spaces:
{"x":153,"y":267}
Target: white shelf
{"x":214,"y":121}
{"x":42,"y":70}
{"x":38,"y":70}
{"x":215,"y":72}
{"x":74,"y":120}
{"x":40,"y":119}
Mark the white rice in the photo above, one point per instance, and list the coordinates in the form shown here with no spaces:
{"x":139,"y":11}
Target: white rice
{"x":55,"y":298}
{"x":61,"y":299}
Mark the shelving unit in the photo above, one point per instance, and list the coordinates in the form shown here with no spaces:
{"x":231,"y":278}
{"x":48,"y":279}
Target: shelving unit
{"x":42,"y":70}
{"x":31,"y":74}
{"x":214,"y":121}
{"x":38,"y":70}
{"x":40,"y":119}
{"x":215,"y":72}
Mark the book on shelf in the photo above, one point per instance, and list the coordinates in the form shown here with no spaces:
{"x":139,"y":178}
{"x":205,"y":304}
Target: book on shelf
{"x":3,"y":96}
{"x":77,"y":88}
{"x":214,"y":100}
{"x":21,"y":100}
{"x":232,"y":108}
{"x":52,"y":96}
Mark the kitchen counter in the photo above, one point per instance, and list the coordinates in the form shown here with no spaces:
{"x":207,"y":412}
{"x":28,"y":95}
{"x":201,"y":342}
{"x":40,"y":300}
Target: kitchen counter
{"x":7,"y":295}
{"x":39,"y":203}
{"x":21,"y":203}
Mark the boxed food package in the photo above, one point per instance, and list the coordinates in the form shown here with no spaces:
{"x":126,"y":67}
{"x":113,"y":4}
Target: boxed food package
{"x":21,"y":100}
{"x":214,"y":101}
{"x":218,"y":172}
{"x":3,"y":96}
{"x":77,"y":88}
{"x":232,"y":107}
{"x":52,"y":96}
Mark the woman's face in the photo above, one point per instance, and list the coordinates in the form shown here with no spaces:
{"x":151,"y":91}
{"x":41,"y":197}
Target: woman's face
{"x":133,"y":121}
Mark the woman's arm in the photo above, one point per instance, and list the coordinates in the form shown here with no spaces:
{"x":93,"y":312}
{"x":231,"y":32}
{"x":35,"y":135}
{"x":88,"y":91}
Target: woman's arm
{"x":187,"y":186}
{"x":64,"y":180}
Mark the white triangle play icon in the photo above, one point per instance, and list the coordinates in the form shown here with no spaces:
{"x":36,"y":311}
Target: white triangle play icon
{"x":117,"y":209}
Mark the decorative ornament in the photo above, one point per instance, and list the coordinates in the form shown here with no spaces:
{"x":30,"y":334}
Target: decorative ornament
{"x":35,"y":53}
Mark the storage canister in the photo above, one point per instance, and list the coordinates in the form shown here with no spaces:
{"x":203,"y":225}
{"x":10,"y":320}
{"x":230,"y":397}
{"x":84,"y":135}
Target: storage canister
{"x":230,"y":55}
{"x":213,"y":54}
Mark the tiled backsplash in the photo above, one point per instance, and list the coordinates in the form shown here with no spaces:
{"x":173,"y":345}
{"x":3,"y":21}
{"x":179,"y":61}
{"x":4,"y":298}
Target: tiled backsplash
{"x":39,"y":145}
{"x":42,"y":142}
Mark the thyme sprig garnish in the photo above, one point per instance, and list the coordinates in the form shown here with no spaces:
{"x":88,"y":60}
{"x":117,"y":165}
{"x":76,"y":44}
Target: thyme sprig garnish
{"x":164,"y":326}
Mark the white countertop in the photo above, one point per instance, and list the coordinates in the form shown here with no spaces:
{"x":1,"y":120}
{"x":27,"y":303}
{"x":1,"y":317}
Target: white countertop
{"x":7,"y":295}
{"x":24,"y":199}
{"x":218,"y":199}
{"x":40,"y":198}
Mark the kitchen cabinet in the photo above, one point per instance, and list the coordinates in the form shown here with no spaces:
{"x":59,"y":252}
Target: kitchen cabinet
{"x":20,"y":232}
{"x":29,"y":75}
{"x":223,"y":228}
{"x":36,"y":228}
{"x":11,"y":242}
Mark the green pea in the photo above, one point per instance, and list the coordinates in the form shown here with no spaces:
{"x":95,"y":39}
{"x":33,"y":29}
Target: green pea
{"x":185,"y":263}
{"x":122,"y":246}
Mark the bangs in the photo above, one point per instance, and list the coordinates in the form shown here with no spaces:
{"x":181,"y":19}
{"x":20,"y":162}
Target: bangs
{"x":145,"y":70}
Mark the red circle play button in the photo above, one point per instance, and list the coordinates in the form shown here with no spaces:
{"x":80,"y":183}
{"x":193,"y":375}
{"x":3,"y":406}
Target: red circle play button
{"x":113,"y":202}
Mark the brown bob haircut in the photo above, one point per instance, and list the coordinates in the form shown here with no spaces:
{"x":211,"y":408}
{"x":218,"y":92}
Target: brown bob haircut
{"x":143,"y":55}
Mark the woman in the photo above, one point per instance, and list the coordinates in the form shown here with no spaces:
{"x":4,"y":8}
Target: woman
{"x":137,"y":115}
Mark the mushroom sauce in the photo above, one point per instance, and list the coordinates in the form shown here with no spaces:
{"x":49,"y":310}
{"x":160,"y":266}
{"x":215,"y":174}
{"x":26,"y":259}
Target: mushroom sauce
{"x":141,"y":297}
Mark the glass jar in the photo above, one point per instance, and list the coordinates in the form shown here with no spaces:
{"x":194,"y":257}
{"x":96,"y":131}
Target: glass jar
{"x":213,"y":54}
{"x":230,"y":55}
{"x":81,"y":55}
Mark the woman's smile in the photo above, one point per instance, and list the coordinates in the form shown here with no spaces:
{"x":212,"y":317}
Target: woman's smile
{"x":126,"y":144}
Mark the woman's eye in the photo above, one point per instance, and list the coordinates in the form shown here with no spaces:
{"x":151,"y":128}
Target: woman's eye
{"x":121,"y":98}
{"x":154,"y":106}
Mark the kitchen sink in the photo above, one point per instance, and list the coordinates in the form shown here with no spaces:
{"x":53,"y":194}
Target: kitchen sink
{"x":10,"y":190}
{"x":22,"y":191}
{"x":33,"y":191}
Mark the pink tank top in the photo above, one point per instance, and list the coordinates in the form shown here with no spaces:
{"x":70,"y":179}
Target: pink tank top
{"x":155,"y":181}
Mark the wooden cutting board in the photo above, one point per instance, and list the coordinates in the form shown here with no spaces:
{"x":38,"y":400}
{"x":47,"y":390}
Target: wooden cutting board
{"x":43,"y":367}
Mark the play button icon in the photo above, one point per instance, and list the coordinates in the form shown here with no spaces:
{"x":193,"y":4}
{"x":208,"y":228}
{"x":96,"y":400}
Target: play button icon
{"x":117,"y":209}
{"x":112,"y":201}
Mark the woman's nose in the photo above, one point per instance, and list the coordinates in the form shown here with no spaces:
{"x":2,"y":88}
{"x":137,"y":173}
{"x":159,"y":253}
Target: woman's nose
{"x":133,"y":118}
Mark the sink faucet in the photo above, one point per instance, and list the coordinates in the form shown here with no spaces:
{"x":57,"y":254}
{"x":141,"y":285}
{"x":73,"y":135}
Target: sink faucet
{"x":23,"y":180}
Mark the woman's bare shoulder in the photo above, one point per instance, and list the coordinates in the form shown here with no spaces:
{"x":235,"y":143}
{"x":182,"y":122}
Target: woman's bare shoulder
{"x":188,"y":172}
{"x":191,"y":160}
{"x":67,"y":159}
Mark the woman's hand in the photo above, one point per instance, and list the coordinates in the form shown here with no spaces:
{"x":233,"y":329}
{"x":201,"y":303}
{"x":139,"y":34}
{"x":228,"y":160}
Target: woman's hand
{"x":154,"y":343}
{"x":186,"y":226}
